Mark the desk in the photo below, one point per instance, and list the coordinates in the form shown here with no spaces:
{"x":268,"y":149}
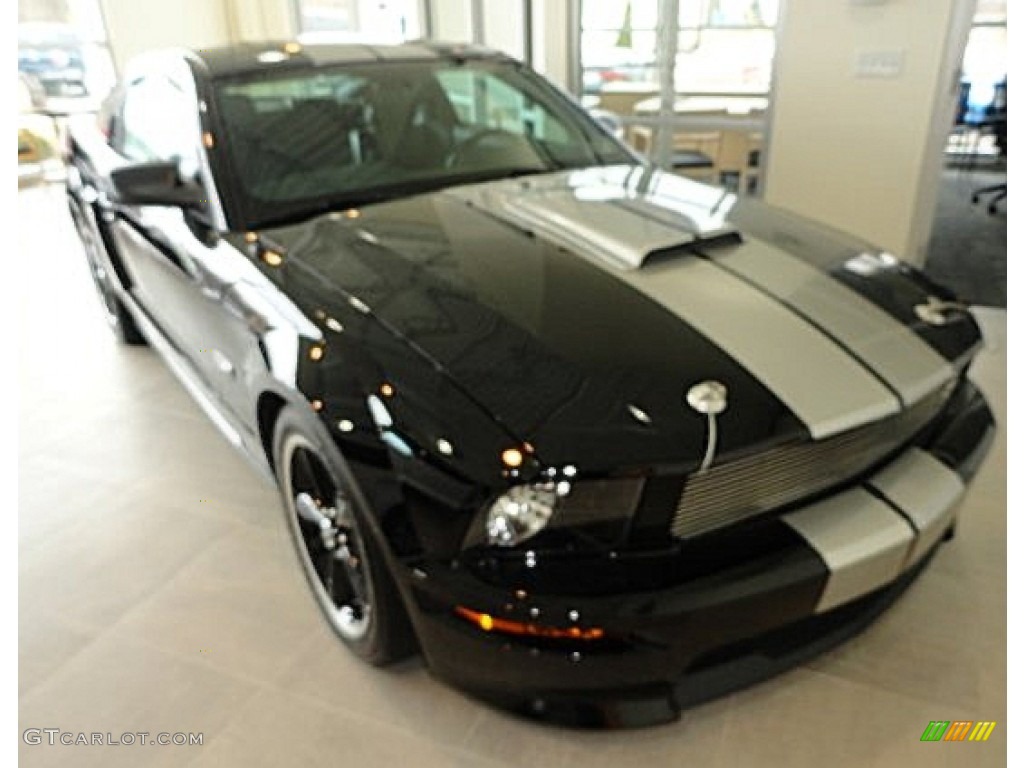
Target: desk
{"x":732,"y":106}
{"x":622,"y":98}
{"x":726,"y":128}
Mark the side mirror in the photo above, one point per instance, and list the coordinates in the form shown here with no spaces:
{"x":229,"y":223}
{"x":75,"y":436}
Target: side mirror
{"x":155,"y":183}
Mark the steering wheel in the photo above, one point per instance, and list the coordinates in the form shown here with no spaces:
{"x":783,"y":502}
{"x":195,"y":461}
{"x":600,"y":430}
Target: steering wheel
{"x":505,"y":140}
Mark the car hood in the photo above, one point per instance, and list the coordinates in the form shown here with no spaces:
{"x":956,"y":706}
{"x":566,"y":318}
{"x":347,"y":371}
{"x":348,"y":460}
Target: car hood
{"x":587,"y":311}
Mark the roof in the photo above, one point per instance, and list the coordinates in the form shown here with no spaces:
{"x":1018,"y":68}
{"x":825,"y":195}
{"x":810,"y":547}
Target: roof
{"x":244,"y":58}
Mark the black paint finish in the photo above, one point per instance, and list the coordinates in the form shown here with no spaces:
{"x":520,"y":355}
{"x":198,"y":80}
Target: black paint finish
{"x":554,"y":348}
{"x":475,"y":336}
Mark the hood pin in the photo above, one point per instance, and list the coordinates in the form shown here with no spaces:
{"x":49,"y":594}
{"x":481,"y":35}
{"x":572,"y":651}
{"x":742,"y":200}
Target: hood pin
{"x":937,"y":312}
{"x":710,"y":398}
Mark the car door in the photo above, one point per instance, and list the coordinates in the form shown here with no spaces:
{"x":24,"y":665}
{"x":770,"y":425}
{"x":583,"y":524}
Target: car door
{"x":182,"y":270}
{"x":154,"y":241}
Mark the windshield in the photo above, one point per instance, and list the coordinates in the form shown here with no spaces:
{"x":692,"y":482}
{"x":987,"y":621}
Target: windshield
{"x":301,"y":143}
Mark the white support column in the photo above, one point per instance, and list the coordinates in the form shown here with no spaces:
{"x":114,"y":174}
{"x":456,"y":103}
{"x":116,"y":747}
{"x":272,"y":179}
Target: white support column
{"x":863,"y":102}
{"x":551,"y":37}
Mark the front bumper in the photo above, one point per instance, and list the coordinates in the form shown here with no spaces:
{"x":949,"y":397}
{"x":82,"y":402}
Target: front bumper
{"x":781,"y":589}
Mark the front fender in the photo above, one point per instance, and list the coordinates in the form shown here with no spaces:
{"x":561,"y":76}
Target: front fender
{"x":425,"y":455}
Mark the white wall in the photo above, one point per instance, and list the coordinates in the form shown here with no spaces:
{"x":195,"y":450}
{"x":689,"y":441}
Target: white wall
{"x":865,"y":154}
{"x":452,"y":20}
{"x":259,"y":19}
{"x":134,"y":27}
{"x":503,"y":26}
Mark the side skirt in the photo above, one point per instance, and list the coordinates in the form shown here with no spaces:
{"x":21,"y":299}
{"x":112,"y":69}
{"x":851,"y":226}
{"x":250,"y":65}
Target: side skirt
{"x":183,"y":370}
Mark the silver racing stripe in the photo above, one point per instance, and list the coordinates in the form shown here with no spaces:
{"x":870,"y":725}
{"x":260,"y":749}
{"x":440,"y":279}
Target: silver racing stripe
{"x":867,"y":538}
{"x":863,"y":541}
{"x":890,"y":349}
{"x":828,"y":390}
{"x":826,"y":386}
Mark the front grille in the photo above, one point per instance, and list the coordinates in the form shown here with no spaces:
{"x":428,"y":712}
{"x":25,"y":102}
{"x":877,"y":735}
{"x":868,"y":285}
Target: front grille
{"x":781,"y":476}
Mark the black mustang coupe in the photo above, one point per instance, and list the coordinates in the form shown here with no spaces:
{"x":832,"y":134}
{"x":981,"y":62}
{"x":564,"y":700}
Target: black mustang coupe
{"x":598,"y":441}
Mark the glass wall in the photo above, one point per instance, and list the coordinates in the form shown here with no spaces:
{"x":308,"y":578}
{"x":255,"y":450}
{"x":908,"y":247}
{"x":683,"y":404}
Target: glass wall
{"x":709,"y":123}
{"x":725,"y":46}
{"x":982,"y":98}
{"x":617,"y":43}
{"x":63,"y":56}
{"x":985,"y":57}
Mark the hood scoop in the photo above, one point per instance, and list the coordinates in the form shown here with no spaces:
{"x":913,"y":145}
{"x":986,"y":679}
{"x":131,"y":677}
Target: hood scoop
{"x":627,"y":216}
{"x":698,"y":245}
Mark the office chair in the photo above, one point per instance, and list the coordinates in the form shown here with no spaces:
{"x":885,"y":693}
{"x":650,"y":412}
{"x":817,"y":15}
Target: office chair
{"x":996,"y":117}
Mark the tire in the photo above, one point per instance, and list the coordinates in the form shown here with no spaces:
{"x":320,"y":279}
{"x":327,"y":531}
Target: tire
{"x":120,"y":320}
{"x":350,"y":580}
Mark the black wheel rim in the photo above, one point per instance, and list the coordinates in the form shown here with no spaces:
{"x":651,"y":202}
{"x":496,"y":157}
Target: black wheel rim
{"x":329,"y":541}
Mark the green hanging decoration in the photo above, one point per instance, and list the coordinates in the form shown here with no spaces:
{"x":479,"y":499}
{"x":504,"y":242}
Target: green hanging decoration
{"x":625,"y":38}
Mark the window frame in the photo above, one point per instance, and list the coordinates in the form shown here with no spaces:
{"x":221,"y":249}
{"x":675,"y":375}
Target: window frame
{"x":684,"y":31}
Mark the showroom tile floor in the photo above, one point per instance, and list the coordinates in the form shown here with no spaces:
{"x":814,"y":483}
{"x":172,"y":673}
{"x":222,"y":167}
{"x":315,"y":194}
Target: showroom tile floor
{"x":158,"y":592}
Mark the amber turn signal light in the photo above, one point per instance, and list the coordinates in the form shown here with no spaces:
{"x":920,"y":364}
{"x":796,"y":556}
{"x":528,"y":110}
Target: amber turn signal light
{"x":489,"y":623}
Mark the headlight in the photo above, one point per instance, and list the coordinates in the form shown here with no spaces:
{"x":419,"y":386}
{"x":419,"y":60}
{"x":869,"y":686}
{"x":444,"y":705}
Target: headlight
{"x":520,"y":513}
